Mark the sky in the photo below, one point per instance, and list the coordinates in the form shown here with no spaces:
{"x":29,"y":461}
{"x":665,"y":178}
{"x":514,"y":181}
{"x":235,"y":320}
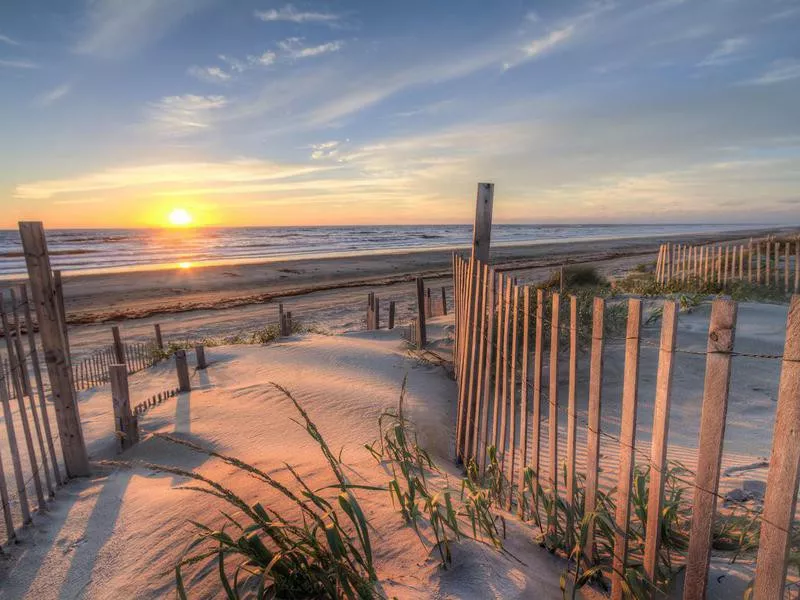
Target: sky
{"x":113,"y":113}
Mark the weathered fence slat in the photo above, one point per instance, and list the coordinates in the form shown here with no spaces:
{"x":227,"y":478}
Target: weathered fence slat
{"x":524,"y":382}
{"x":593,"y":424}
{"x":627,"y":440}
{"x":16,"y":380}
{"x":552,"y":416}
{"x":505,"y":358}
{"x":572,"y":415}
{"x":491,"y":301}
{"x":56,"y":353}
{"x":536,"y":417}
{"x":780,"y":499}
{"x":37,"y":375}
{"x":658,"y":448}
{"x":473,"y":444}
{"x":512,"y":433}
{"x":472,"y":364}
{"x":712,"y":431}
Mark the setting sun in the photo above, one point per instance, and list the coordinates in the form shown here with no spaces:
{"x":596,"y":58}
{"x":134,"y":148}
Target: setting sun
{"x":180,"y":217}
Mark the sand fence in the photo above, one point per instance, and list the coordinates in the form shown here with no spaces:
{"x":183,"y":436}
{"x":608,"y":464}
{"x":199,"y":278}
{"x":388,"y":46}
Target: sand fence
{"x":501,"y":340}
{"x":767,"y":262}
{"x":37,"y":457}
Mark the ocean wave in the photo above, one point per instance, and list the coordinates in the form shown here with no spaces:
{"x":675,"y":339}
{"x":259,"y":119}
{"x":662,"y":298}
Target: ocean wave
{"x":20,"y":254}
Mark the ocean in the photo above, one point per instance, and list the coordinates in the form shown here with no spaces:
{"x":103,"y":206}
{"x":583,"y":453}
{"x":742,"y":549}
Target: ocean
{"x":118,"y":250}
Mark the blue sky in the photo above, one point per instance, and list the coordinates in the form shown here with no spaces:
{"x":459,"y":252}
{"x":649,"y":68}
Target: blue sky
{"x":114,"y":112}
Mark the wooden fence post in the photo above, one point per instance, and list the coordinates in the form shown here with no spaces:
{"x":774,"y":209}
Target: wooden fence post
{"x":58,"y":285}
{"x":487,"y":369}
{"x":505,"y":351}
{"x":797,"y":266}
{"x":512,"y":399}
{"x":471,"y":375}
{"x":8,"y":518}
{"x":119,"y":349}
{"x":524,"y":381}
{"x":37,"y":376}
{"x":499,"y":358}
{"x":159,"y":339}
{"x":536,"y":417}
{"x":391,"y":314}
{"x":200,"y":353}
{"x":482,"y":230}
{"x":422,"y":339}
{"x":712,"y":431}
{"x":786,"y":268}
{"x":28,"y":389}
{"x":182,"y":369}
{"x":37,"y":261}
{"x":473,"y":433}
{"x":552,"y":416}
{"x":572,"y":415}
{"x":660,"y":433}
{"x":593,"y":424}
{"x":19,"y":476}
{"x":125,"y":424}
{"x":780,"y":499}
{"x":627,"y":441}
{"x":444,"y":302}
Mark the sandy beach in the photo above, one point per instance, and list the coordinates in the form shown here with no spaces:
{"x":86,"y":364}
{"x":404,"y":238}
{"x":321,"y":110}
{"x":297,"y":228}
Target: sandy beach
{"x":330,"y":294}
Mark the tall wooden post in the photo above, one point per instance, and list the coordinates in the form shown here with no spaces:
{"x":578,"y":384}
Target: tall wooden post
{"x":391,"y":314}
{"x":658,"y":449}
{"x":780,"y":499}
{"x":119,"y":349}
{"x":712,"y":432}
{"x":444,"y":302}
{"x":183,"y":371}
{"x":159,"y":339}
{"x":37,"y":375}
{"x":125,"y":424}
{"x":482,"y":230}
{"x":627,"y":443}
{"x":200,"y":353}
{"x":37,"y":260}
{"x":421,"y":330}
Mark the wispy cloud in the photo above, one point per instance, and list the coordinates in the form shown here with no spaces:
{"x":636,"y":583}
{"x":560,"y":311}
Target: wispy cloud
{"x":7,"y":40}
{"x":216,"y":74}
{"x":184,"y":115}
{"x":563,"y":32}
{"x":778,"y":72}
{"x":210,"y":74}
{"x":54,"y":95}
{"x":242,"y":171}
{"x":18,"y":64}
{"x":325,"y":150}
{"x":293,"y":48}
{"x":291,"y":14}
{"x":725,"y":53}
{"x":118,"y":28}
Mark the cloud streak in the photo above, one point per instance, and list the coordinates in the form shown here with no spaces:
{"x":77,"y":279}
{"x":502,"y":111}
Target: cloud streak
{"x":725,"y":53}
{"x":162,"y":175}
{"x":778,"y":72}
{"x":18,"y":64}
{"x":185,"y":115}
{"x":290,"y":14}
{"x":54,"y":95}
{"x":7,"y":40}
{"x":117,"y":29}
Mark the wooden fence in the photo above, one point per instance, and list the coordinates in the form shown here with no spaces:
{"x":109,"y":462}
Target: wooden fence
{"x":760,"y":262}
{"x":500,"y":345}
{"x":36,"y":469}
{"x":92,"y":371}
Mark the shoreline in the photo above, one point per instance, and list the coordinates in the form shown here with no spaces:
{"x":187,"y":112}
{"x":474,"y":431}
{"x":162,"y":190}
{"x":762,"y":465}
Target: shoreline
{"x":102,"y":298}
